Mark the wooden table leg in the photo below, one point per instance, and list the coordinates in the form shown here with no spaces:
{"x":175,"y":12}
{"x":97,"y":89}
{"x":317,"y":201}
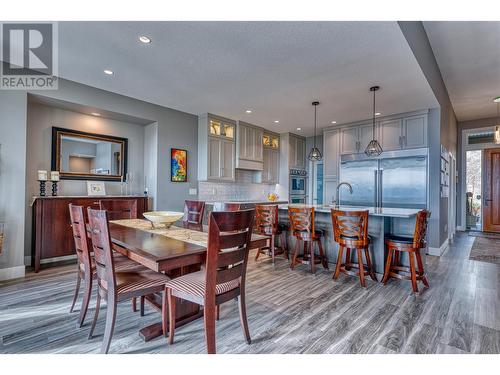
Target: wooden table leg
{"x":155,"y":330}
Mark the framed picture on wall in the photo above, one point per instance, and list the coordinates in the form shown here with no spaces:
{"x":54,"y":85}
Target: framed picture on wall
{"x":178,"y":165}
{"x":96,"y":188}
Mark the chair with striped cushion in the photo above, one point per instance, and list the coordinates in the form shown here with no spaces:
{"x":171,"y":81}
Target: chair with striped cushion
{"x":223,"y":277}
{"x":193,"y":212}
{"x":115,"y":286}
{"x":86,"y":263}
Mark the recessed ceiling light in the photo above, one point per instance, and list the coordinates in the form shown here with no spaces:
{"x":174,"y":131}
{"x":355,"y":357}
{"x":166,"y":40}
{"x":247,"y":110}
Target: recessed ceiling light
{"x":334,"y":122}
{"x":377,"y":113}
{"x":299,"y":129}
{"x":108,"y":72}
{"x":497,"y":99}
{"x":276,"y":121}
{"x":248,"y":111}
{"x":144,"y":39}
{"x":95,"y":114}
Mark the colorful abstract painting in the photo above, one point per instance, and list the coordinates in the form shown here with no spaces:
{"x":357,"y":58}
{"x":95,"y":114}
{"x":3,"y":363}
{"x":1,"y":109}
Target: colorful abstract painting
{"x":178,"y":164}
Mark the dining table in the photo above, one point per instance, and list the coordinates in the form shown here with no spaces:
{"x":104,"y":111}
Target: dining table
{"x":175,"y":251}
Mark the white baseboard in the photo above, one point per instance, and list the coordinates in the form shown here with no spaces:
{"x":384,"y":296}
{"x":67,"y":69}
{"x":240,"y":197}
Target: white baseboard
{"x":27,"y":259}
{"x":438,"y":251}
{"x":12,"y":273}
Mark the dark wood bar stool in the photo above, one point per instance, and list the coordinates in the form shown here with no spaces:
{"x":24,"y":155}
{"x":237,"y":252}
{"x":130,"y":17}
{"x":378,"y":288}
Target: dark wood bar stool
{"x":302,"y":227}
{"x":226,"y":207}
{"x":120,"y":209}
{"x":412,"y":246}
{"x":267,"y":223}
{"x":350,"y":231}
{"x":193,"y":212}
{"x":223,"y":278}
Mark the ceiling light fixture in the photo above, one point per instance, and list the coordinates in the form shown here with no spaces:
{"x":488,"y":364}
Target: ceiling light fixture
{"x":378,"y":114}
{"x":315,"y":153}
{"x":108,"y":72}
{"x":95,"y":114}
{"x":144,"y":39}
{"x":248,"y":111}
{"x":334,"y":122}
{"x":497,"y":127}
{"x":373,"y":148}
{"x":276,"y":121}
{"x":299,"y":129}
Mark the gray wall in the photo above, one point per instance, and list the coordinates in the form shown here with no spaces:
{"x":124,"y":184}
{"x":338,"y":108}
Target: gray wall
{"x":174,"y":129}
{"x":12,"y":181}
{"x":416,"y":37}
{"x":465,"y":125}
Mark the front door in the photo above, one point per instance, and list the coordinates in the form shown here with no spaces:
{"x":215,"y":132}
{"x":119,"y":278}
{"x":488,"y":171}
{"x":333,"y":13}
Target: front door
{"x":491,"y":193}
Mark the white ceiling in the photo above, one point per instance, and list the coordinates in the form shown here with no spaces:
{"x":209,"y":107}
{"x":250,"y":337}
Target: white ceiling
{"x":468,"y":55}
{"x":276,"y":69}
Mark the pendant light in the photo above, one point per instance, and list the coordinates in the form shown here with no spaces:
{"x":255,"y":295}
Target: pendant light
{"x":315,"y":153}
{"x":497,"y":127}
{"x":373,"y":148}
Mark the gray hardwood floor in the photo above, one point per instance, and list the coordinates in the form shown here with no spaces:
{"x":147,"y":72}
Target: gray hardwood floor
{"x":288,"y":312}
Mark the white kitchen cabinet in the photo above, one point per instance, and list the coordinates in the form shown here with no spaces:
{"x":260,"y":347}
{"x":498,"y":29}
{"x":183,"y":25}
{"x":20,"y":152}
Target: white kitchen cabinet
{"x":390,"y":134}
{"x":354,"y":139}
{"x":414,"y":131}
{"x":270,"y":173}
{"x":297,"y":152}
{"x":404,"y":133}
{"x":216,"y":148}
{"x":250,"y":147}
{"x":331,"y":151}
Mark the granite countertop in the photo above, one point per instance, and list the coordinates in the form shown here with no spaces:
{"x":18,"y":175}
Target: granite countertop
{"x":372,"y":211}
{"x":262,"y":201}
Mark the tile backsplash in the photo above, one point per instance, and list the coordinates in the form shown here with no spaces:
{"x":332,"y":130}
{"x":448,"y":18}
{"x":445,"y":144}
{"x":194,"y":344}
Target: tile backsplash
{"x":243,"y":189}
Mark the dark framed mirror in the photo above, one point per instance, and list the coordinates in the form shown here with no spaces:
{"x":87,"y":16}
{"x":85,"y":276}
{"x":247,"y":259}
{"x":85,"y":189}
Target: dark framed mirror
{"x":86,"y":156}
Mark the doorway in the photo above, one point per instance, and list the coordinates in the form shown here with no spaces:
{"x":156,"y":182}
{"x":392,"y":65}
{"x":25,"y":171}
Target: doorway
{"x":491,"y":199}
{"x":473,"y":172}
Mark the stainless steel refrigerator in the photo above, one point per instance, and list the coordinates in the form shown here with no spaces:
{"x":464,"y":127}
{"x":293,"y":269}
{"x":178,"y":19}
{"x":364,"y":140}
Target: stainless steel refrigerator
{"x":393,"y":179}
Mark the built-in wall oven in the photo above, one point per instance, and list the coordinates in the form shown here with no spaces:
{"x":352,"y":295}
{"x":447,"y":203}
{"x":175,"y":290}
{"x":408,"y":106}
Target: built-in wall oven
{"x":298,"y":186}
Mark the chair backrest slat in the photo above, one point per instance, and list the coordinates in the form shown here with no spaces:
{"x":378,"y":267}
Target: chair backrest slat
{"x":193,"y":212}
{"x":103,"y":253}
{"x":82,"y":243}
{"x":350,"y":224}
{"x":229,"y":274}
{"x":301,"y":219}
{"x":119,"y":209}
{"x":420,"y":234}
{"x":266,"y":217}
{"x":229,"y":236}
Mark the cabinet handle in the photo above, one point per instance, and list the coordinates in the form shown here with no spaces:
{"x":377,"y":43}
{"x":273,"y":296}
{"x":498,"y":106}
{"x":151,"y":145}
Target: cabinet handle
{"x":404,"y":141}
{"x":400,"y":144}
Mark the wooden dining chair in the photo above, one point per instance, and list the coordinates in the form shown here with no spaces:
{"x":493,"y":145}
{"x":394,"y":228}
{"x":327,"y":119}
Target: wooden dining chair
{"x":350,"y":231}
{"x":303,"y":229}
{"x":222,"y":279}
{"x":267,"y":224}
{"x":115,"y":286}
{"x":411,"y":246}
{"x":226,"y":207}
{"x":85,"y":260}
{"x":119,"y":209}
{"x":193,"y":212}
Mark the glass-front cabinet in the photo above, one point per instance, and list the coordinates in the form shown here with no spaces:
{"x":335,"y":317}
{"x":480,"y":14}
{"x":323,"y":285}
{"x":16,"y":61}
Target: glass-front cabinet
{"x":220,"y":128}
{"x":271,"y":140}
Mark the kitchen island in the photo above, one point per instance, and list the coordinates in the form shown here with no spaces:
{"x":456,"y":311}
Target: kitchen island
{"x":381,"y":221}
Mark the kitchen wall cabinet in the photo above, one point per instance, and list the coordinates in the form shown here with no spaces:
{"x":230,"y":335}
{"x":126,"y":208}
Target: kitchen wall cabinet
{"x":404,"y":133}
{"x":216,"y":148}
{"x":249,"y":147}
{"x":354,"y":139}
{"x":270,"y":173}
{"x":331,"y":143}
{"x":297,"y":152}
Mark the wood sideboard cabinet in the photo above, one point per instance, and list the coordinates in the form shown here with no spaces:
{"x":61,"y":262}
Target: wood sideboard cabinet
{"x":52,"y":236}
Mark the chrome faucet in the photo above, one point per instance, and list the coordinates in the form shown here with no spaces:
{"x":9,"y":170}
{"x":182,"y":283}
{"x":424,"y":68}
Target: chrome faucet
{"x":336,"y":202}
